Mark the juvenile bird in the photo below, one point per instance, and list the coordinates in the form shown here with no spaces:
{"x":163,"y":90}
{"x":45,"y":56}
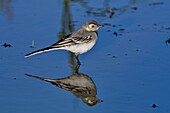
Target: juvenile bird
{"x":78,"y":42}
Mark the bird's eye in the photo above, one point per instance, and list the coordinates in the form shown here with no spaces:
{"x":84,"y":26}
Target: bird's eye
{"x":92,"y":25}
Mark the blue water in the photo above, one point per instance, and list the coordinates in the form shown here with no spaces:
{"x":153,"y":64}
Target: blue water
{"x":129,"y":64}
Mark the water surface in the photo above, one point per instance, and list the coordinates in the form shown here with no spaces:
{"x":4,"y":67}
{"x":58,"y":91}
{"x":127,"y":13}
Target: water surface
{"x":129,"y":64}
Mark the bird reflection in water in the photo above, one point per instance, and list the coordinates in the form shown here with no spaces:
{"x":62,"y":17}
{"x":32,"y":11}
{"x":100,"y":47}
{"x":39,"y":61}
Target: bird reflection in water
{"x":81,"y":85}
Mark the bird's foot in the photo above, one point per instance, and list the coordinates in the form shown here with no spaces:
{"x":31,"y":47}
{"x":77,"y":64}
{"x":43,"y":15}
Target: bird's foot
{"x":76,"y":69}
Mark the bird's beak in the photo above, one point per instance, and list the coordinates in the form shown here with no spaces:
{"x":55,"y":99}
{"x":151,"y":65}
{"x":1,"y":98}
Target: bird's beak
{"x":100,"y":26}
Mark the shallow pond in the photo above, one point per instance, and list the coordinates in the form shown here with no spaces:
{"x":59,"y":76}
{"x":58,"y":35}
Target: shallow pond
{"x":127,"y":71}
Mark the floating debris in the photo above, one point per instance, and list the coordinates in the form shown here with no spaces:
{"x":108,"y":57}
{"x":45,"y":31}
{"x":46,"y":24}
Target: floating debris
{"x":134,"y":8}
{"x":154,"y":105}
{"x":114,"y":56}
{"x":32,"y":44}
{"x":110,"y":10}
{"x":167,"y":41}
{"x":115,"y":33}
{"x":6,"y":45}
{"x":166,"y":28}
{"x":156,"y":3}
{"x":121,"y":29}
{"x":14,"y":78}
{"x":137,"y":49}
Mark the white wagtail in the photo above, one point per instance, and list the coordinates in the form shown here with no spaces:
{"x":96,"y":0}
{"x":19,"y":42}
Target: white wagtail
{"x":81,"y":85}
{"x":77,"y":42}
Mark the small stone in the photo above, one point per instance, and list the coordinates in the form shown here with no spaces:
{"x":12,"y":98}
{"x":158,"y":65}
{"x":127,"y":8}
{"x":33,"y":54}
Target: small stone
{"x":6,"y":45}
{"x":121,"y":29}
{"x":14,"y":78}
{"x":134,"y":8}
{"x":167,"y":41}
{"x":154,"y":105}
{"x":115,"y":33}
{"x":114,"y":56}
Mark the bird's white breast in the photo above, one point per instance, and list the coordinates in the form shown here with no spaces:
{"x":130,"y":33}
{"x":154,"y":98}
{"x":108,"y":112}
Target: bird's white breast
{"x":81,"y":48}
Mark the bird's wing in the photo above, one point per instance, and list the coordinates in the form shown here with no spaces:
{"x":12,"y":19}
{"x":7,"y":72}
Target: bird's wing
{"x":80,"y":40}
{"x":72,"y":40}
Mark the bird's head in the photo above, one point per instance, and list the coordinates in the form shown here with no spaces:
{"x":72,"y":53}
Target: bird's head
{"x":91,"y":25}
{"x":91,"y":101}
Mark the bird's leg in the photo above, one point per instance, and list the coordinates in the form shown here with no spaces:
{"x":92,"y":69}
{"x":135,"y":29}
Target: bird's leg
{"x":76,"y":69}
{"x":78,"y":61}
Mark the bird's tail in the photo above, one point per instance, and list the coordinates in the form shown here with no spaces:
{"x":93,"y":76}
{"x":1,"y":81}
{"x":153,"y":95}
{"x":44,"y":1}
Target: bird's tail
{"x":41,"y":51}
{"x":43,"y":79}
